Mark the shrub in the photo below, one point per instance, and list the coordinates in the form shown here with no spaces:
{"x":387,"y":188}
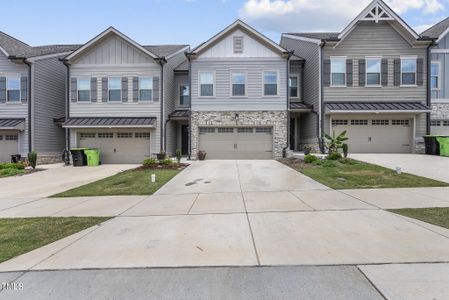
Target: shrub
{"x":178,"y":155}
{"x":310,"y":158}
{"x":307,"y":150}
{"x":17,"y":166}
{"x":165,"y":162}
{"x":202,"y":155}
{"x":150,"y":162}
{"x":345,"y":150}
{"x":32,"y":159}
{"x":10,"y":172}
{"x":161,"y":155}
{"x":334,"y":156}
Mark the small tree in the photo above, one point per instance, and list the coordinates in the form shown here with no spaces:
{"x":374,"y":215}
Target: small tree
{"x":32,"y":159}
{"x":178,"y":155}
{"x":335,"y":142}
{"x":345,"y":150}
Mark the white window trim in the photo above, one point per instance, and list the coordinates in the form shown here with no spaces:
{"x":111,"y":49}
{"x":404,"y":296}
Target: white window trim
{"x":77,"y":89}
{"x":415,"y":57}
{"x":238,"y":71}
{"x":178,"y":93}
{"x":152,"y":89}
{"x":345,"y":72}
{"x":120,"y":78}
{"x":297,"y":87}
{"x":277,"y":82}
{"x":213,"y":81}
{"x":439,"y":75}
{"x":14,"y":76}
{"x":366,"y":71}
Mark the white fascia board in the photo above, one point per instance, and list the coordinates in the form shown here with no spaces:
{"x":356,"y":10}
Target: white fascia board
{"x":301,"y":38}
{"x":4,"y":51}
{"x":36,"y":58}
{"x":106,"y":126}
{"x":377,"y":112}
{"x":186,"y":48}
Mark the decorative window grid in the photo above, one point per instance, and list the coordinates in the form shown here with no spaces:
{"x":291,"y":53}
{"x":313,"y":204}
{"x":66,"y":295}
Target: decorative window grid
{"x":435,"y":123}
{"x":207,"y":130}
{"x":445,"y":123}
{"x":380,"y":122}
{"x":142,"y":135}
{"x":124,"y":135}
{"x":400,"y":122}
{"x":225,"y":130}
{"x":87,"y":135}
{"x":245,"y":130}
{"x":339,"y":122}
{"x":264,"y":130}
{"x":359,"y":122}
{"x":105,"y":135}
{"x":11,"y":137}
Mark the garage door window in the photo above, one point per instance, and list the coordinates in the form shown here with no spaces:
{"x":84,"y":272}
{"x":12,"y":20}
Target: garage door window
{"x":339,"y":122}
{"x":87,"y":135}
{"x":435,"y":123}
{"x":12,"y":137}
{"x":207,"y":130}
{"x":245,"y":130}
{"x":105,"y":135}
{"x":124,"y":135}
{"x":142,"y":135}
{"x":445,"y":123}
{"x":381,"y":122}
{"x":264,"y":130}
{"x":400,"y":122}
{"x":225,"y":130}
{"x":359,"y":122}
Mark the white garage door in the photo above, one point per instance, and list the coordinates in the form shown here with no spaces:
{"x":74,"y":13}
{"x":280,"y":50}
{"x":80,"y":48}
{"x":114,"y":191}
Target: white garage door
{"x":376,"y":136}
{"x":117,"y":147}
{"x":236,"y":142}
{"x":9,"y":145}
{"x":439,"y":127}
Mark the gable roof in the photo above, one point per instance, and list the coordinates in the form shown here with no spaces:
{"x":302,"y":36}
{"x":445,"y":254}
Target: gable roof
{"x":437,"y":31}
{"x":165,"y":50}
{"x":239,"y":24}
{"x":10,"y":45}
{"x":110,"y":31}
{"x":316,"y":35}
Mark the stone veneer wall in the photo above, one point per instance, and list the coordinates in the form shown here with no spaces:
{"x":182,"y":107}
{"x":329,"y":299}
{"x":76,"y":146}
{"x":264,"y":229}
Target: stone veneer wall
{"x":276,"y":119}
{"x":440,"y":111}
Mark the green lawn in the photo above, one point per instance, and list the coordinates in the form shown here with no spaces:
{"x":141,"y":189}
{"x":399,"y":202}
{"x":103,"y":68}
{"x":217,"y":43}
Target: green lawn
{"x":18,"y":236}
{"x":352,"y":174}
{"x":11,"y":172}
{"x":436,"y":215}
{"x":131,"y":182}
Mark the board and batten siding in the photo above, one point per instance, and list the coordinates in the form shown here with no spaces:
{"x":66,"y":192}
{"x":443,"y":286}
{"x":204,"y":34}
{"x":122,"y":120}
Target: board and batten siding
{"x":48,"y":92}
{"x":254,"y":68}
{"x":15,"y":110}
{"x":308,"y":127}
{"x":375,"y":39}
{"x":443,"y":59}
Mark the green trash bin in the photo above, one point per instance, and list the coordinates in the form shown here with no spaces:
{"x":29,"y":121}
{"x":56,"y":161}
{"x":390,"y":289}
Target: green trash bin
{"x":444,"y":145}
{"x":93,"y":157}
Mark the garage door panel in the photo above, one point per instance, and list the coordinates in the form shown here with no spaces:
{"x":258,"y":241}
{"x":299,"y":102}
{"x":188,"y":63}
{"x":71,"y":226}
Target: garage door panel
{"x":9,"y":145}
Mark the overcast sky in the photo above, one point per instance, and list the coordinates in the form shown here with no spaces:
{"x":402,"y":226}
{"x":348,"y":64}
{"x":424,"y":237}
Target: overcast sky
{"x":39,"y":22}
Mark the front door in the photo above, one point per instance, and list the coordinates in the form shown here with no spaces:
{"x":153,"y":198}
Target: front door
{"x":292,"y":133}
{"x":185,"y":139}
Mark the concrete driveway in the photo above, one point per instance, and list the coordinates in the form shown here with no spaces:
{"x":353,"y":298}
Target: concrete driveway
{"x":430,"y":166}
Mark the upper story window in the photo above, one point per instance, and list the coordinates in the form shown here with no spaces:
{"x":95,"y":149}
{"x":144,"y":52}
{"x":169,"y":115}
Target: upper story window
{"x":83,"y":89}
{"x":293,"y":84}
{"x":408,"y":71}
{"x":206,"y":84}
{"x":238,"y":81}
{"x":13,"y":89}
{"x":270,"y":83}
{"x":435,"y":76}
{"x":373,"y":71}
{"x":238,"y":44}
{"x":145,"y":88}
{"x":338,"y":71}
{"x":115,"y":88}
{"x":184,"y":95}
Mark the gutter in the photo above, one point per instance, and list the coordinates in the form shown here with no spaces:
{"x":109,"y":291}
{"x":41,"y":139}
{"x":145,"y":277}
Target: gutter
{"x":162,"y":61}
{"x":67,"y":105}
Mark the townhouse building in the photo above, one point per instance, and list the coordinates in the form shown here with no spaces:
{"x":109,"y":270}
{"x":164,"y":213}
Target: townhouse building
{"x":32,"y":85}
{"x":439,"y":77}
{"x":370,"y":80}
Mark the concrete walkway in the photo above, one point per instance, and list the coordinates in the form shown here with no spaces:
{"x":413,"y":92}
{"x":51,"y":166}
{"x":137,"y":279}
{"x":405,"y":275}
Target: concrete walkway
{"x":430,"y":166}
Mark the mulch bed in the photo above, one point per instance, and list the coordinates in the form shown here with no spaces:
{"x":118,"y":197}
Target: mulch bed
{"x":173,"y":166}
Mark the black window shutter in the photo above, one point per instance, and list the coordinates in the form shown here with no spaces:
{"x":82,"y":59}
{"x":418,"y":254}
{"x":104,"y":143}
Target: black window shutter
{"x":104,"y":89}
{"x":327,"y":72}
{"x":384,"y":70}
{"x":2,"y":89}
{"x":349,"y":72}
{"x":24,"y":89}
{"x":135,"y":89}
{"x":73,"y":89}
{"x":156,"y":88}
{"x":419,"y":71}
{"x":397,"y":72}
{"x":124,"y":89}
{"x":362,"y":71}
{"x":93,"y":89}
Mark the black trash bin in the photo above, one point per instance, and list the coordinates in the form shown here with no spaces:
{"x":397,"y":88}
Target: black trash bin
{"x":432,"y":145}
{"x":79,"y":157}
{"x":15,"y":158}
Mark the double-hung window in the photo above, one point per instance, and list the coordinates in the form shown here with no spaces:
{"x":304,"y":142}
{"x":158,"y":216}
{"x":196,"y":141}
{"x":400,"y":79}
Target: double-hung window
{"x":83,"y":89}
{"x":184,"y":95}
{"x":338,"y":71}
{"x":270,"y":83}
{"x":408,"y":71}
{"x":206,"y":84}
{"x":238,"y":81}
{"x":145,"y":88}
{"x":293,"y":84}
{"x":13,"y":89}
{"x":115,"y":89}
{"x":373,"y":71}
{"x":435,"y":75}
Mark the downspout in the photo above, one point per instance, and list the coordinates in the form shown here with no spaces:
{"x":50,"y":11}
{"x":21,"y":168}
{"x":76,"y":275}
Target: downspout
{"x":67,"y":103}
{"x":189,"y":80}
{"x":30,"y":139}
{"x":162,"y":62}
{"x":429,"y":94}
{"x":321,"y":110}
{"x":289,"y":55}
